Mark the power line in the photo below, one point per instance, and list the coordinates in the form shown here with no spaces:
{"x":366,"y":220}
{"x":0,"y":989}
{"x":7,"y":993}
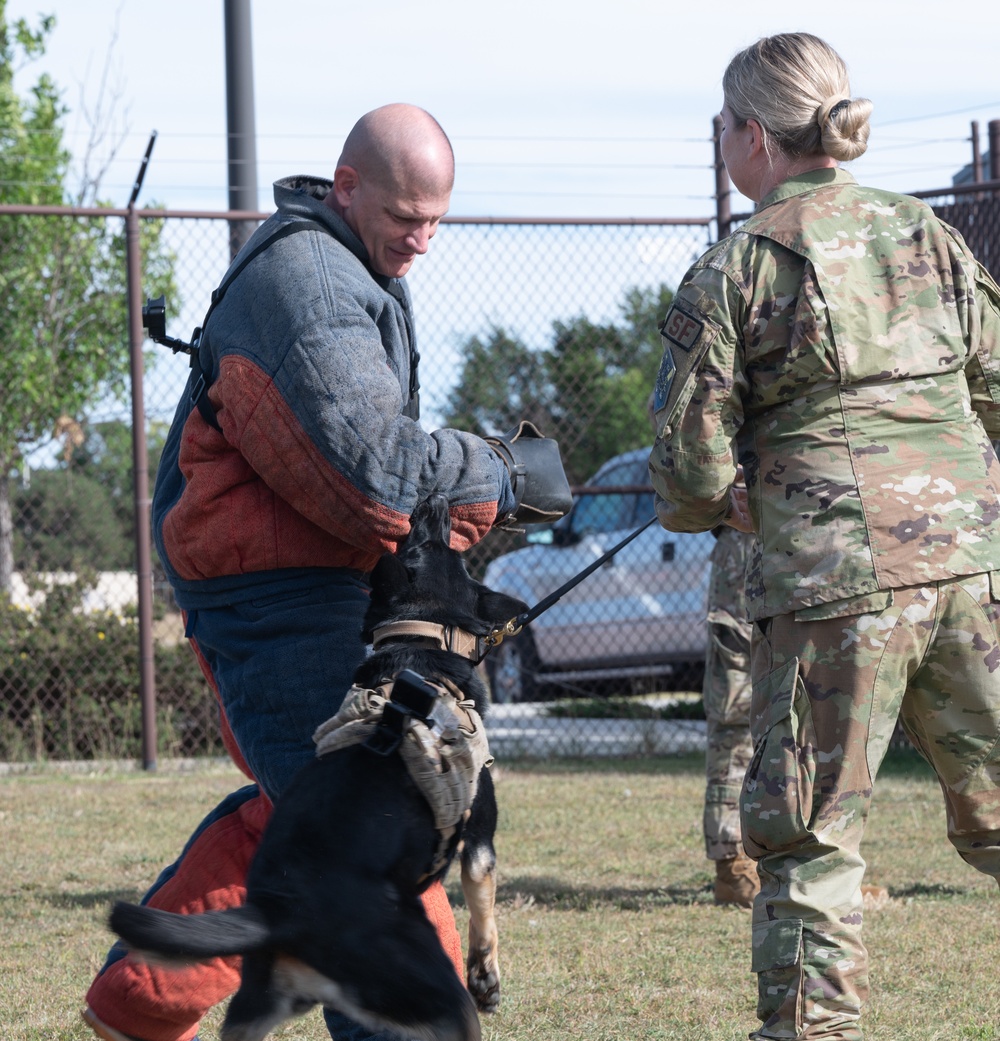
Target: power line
{"x":922,"y":142}
{"x":937,"y":115}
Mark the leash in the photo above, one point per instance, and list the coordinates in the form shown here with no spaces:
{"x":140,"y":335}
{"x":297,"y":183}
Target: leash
{"x":518,"y":622}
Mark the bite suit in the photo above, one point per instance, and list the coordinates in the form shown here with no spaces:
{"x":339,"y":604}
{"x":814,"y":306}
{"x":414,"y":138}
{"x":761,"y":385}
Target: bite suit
{"x":267,"y":527}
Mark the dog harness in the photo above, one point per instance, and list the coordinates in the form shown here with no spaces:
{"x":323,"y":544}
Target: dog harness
{"x":444,"y":751}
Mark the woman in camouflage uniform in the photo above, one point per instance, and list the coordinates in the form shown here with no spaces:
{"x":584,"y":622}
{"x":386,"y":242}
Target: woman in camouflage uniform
{"x":847,"y":343}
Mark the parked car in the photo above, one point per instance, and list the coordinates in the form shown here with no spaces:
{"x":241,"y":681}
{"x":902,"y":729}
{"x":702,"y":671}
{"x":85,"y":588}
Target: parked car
{"x":641,"y":615}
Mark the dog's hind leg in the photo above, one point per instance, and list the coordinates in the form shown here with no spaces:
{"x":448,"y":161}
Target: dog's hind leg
{"x":399,"y":977}
{"x":262,"y":1003}
{"x":479,"y":884}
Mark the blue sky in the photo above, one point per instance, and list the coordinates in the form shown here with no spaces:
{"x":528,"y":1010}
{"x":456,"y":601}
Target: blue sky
{"x":555,"y":108}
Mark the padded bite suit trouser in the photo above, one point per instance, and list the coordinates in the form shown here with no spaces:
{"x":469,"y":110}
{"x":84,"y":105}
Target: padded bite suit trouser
{"x":280,"y":665}
{"x":826,"y":696}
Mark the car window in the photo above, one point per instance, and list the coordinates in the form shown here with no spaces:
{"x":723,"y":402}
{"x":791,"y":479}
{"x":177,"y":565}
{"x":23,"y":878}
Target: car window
{"x":622,"y":473}
{"x":642,"y":504}
{"x":594,"y":514}
{"x":614,"y":511}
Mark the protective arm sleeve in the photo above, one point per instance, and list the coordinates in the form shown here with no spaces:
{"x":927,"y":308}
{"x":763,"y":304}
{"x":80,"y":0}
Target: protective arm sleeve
{"x":541,"y":490}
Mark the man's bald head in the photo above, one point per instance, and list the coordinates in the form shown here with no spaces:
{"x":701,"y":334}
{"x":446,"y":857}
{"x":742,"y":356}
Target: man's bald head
{"x":401,"y":148}
{"x":393,"y":184}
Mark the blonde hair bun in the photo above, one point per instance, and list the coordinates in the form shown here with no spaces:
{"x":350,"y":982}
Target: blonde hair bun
{"x":795,"y":85}
{"x":844,"y":127}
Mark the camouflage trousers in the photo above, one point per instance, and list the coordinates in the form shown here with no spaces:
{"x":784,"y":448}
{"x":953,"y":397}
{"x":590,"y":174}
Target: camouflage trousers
{"x":726,"y":695}
{"x":827,"y":692}
{"x":728,"y":748}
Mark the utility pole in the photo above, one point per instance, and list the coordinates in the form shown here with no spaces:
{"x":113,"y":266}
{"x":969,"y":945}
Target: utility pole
{"x":993,"y":134}
{"x":240,"y":120}
{"x":723,"y":205}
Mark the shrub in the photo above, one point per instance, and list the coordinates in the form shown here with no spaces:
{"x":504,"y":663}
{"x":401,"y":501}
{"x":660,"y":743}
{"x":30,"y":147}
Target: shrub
{"x":69,"y":685}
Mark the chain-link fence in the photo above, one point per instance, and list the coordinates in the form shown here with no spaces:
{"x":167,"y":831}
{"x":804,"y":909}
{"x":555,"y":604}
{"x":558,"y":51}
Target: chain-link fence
{"x":974,"y":210}
{"x":612,"y":668}
{"x":71,"y":675}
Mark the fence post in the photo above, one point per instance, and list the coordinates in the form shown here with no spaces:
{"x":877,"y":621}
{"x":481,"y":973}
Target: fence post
{"x":723,"y":211}
{"x":140,"y":484}
{"x":993,"y":130}
{"x":140,"y":472}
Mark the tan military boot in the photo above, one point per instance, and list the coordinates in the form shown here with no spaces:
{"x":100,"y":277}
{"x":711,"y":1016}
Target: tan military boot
{"x":874,"y":898}
{"x":736,"y":881}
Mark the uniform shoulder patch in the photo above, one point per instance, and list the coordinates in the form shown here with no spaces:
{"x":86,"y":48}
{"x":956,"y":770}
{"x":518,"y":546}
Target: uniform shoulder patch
{"x":664,"y":381}
{"x":682,"y":328}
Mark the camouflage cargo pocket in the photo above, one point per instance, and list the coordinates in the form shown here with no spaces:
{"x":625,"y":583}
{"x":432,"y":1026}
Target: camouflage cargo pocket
{"x":727,"y":686}
{"x":776,"y":945}
{"x":777,"y":959}
{"x":777,"y":797}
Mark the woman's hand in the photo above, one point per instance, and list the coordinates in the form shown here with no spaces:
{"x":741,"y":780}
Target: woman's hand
{"x":738,"y":516}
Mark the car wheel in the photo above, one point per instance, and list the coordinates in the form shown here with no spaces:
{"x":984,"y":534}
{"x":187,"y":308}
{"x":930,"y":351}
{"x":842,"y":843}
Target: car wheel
{"x":512,"y":669}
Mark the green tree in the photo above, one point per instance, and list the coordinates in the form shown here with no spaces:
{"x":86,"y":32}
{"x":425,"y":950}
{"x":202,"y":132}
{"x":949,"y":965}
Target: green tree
{"x":502,"y":383}
{"x":589,"y":388}
{"x":81,"y":515}
{"x":66,"y":521}
{"x":105,"y":455}
{"x":63,"y":304}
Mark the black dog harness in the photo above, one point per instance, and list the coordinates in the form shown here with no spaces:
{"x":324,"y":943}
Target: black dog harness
{"x":432,"y":725}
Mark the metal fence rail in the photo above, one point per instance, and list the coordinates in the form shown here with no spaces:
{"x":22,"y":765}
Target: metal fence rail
{"x":972,"y":209}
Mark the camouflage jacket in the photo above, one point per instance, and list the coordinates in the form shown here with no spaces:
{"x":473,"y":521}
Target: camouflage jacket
{"x":847,"y":344}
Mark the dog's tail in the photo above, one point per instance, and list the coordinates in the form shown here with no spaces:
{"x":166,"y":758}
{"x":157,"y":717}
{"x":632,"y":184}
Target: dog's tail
{"x":190,"y":937}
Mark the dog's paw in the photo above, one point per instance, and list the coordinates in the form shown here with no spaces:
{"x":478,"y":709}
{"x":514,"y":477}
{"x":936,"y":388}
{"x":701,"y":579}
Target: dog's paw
{"x":484,"y":981}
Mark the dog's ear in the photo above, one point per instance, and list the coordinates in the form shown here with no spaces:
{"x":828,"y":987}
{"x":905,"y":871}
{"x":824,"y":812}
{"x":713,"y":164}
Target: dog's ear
{"x":498,"y":607}
{"x":388,"y":577}
{"x":389,"y":581}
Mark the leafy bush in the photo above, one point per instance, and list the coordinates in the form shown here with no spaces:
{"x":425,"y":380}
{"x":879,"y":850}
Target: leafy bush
{"x":69,"y":685}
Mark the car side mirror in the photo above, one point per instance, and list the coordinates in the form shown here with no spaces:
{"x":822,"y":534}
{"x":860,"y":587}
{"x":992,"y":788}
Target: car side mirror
{"x":559,"y":534}
{"x":564,"y":535}
{"x":540,"y":536}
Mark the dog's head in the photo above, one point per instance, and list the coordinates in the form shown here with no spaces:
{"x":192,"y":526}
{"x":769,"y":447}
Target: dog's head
{"x":427,"y":580}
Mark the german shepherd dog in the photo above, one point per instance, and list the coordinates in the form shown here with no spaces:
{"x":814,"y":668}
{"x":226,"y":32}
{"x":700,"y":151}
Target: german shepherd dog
{"x":333,"y":913}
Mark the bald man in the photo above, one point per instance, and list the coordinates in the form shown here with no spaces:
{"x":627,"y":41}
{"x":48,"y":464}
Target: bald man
{"x":294,"y":461}
{"x":393,"y":185}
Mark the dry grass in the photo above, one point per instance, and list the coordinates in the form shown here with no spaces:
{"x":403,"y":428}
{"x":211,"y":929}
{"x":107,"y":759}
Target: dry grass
{"x":607,"y":927}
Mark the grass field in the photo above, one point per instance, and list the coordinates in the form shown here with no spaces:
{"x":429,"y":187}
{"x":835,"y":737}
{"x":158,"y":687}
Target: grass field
{"x":608,"y":931}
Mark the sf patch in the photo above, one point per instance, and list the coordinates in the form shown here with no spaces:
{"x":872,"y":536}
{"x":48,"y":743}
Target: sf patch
{"x":681,"y":328}
{"x":687,"y":336}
